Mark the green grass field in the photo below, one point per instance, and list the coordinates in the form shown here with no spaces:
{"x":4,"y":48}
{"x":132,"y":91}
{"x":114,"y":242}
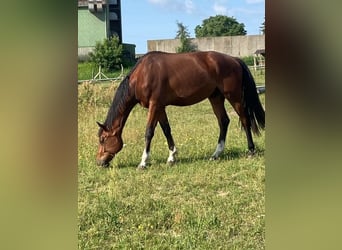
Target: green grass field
{"x":195,"y":204}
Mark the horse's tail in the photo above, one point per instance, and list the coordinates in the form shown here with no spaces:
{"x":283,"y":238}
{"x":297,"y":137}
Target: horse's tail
{"x":253,"y":108}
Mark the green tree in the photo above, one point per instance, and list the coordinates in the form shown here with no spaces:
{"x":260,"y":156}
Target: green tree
{"x":220,"y":25}
{"x":262,"y":28}
{"x":108,"y":53}
{"x":184,"y":36}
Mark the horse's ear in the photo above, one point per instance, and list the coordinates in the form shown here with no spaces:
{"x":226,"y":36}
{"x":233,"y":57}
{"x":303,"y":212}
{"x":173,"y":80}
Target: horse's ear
{"x":102,"y":126}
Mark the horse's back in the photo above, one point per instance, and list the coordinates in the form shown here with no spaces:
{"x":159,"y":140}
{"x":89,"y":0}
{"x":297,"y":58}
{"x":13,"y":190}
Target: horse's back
{"x":180,"y":78}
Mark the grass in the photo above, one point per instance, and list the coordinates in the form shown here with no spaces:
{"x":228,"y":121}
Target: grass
{"x":259,"y":76}
{"x":195,"y":204}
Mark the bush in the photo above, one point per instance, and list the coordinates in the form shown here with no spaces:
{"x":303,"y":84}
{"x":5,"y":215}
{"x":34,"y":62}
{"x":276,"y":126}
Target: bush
{"x":108,"y":53}
{"x":249,"y":60}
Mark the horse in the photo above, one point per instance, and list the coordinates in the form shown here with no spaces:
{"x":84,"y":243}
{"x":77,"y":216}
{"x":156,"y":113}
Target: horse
{"x":160,"y":79}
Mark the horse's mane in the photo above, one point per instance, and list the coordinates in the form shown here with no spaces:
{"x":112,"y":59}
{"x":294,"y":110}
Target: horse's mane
{"x":118,"y":102}
{"x":122,"y":94}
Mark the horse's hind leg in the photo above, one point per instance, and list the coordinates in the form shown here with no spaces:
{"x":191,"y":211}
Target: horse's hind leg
{"x":217,"y":103}
{"x":245,"y":122}
{"x":247,"y":127}
{"x":164,"y":123}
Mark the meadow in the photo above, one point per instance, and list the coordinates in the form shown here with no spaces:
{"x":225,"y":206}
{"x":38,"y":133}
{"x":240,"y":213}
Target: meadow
{"x":194,"y":204}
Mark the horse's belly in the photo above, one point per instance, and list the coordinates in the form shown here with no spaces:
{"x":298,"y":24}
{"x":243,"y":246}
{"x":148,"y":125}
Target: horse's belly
{"x":185,"y":101}
{"x":185,"y":98}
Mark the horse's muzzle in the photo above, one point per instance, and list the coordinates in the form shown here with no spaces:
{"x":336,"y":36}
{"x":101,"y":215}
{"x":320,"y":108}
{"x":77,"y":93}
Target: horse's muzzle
{"x":104,"y":159}
{"x":103,"y":162}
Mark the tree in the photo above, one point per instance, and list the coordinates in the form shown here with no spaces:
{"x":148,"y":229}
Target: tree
{"x":184,"y":36}
{"x":108,"y":53}
{"x":262,"y":28}
{"x":220,"y":25}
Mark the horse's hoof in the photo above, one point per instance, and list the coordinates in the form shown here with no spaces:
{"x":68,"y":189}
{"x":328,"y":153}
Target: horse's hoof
{"x":171,"y":163}
{"x":141,"y":167}
{"x":213,"y":158}
{"x":250,"y":153}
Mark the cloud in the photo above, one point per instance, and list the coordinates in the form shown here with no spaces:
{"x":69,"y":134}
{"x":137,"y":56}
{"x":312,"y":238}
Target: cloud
{"x":254,"y":1}
{"x":179,"y":5}
{"x":161,"y":2}
{"x":189,"y":6}
{"x":245,"y":11}
{"x":220,"y":9}
{"x":223,"y":7}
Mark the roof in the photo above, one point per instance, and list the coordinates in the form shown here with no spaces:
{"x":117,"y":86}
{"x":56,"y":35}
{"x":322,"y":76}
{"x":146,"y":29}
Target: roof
{"x":260,"y":51}
{"x":85,"y":2}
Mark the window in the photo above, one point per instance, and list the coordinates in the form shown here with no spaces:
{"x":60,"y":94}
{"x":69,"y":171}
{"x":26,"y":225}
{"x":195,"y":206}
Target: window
{"x":113,"y":2}
{"x":113,"y":16}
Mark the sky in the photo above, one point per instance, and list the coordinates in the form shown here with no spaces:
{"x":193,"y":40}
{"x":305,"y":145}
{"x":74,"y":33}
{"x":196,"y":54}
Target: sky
{"x":144,"y":20}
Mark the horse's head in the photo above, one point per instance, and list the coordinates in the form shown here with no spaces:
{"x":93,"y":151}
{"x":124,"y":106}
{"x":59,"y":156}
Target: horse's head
{"x":110,"y":143}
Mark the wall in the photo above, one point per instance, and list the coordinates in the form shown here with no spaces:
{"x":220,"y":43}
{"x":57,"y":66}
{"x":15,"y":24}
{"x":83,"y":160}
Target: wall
{"x":233,"y":45}
{"x":83,"y":53}
{"x":128,"y":52}
{"x":91,"y":27}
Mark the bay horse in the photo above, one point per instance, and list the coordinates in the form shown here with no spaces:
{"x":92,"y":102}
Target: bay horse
{"x":160,"y":79}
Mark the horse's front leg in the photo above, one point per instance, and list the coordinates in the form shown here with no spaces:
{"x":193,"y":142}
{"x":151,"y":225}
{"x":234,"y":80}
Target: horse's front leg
{"x":146,"y":154}
{"x":164,"y":123}
{"x":152,"y":120}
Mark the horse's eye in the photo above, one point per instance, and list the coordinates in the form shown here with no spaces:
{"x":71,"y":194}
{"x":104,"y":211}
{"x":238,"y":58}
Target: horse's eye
{"x":102,"y":140}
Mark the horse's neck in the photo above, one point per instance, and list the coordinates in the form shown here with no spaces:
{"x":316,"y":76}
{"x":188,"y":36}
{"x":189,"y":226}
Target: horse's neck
{"x":121,"y":118}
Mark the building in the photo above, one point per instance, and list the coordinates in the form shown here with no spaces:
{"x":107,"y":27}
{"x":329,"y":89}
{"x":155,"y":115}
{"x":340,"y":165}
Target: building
{"x":97,"y":20}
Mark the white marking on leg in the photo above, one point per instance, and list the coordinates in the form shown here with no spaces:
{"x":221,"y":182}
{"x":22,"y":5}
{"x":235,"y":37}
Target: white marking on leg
{"x":171,"y":159}
{"x":218,"y":151}
{"x":144,"y":159}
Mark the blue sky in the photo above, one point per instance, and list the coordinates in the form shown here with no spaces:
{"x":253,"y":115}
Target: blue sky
{"x":144,"y":20}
